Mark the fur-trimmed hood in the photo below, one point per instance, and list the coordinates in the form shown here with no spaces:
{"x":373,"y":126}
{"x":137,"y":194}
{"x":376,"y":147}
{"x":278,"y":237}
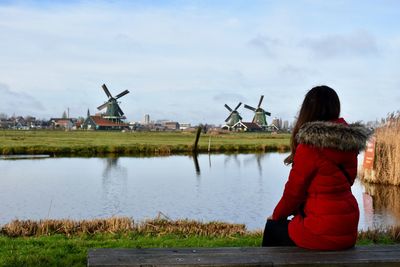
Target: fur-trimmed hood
{"x":336,"y":135}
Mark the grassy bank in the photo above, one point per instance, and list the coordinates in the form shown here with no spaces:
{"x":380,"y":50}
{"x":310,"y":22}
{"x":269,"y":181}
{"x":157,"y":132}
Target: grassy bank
{"x":72,"y":251}
{"x":386,"y":168}
{"x":92,"y":143}
{"x":65,"y":242}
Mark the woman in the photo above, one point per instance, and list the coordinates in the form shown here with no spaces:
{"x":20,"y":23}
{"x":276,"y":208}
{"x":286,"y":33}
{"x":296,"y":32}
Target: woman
{"x":318,"y":191}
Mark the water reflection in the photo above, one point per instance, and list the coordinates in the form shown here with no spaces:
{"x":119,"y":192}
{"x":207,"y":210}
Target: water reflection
{"x":114,"y":185}
{"x":258,"y":158}
{"x":381,"y":204}
{"x":196,"y":163}
{"x":232,"y":159}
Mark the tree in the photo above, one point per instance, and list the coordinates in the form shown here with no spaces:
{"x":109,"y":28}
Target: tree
{"x":3,"y":116}
{"x":64,"y":115}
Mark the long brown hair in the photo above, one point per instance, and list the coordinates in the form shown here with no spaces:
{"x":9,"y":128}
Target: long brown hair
{"x":321,"y":103}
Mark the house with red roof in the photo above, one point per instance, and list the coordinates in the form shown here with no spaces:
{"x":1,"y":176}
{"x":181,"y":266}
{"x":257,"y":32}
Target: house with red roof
{"x":100,"y":123}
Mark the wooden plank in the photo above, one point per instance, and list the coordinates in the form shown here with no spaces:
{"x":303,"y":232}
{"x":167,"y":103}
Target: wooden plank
{"x":273,"y":256}
{"x":233,"y":257}
{"x":248,"y":249}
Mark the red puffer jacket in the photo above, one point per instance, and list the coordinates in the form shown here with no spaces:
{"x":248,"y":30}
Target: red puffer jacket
{"x":329,"y":212}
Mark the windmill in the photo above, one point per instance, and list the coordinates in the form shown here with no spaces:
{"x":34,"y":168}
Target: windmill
{"x":234,"y":116}
{"x":260,"y":114}
{"x":113,"y":112}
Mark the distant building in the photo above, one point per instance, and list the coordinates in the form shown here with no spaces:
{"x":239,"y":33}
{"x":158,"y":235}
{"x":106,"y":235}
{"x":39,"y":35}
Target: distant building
{"x":162,"y":122}
{"x":286,"y":125}
{"x":21,"y":123}
{"x":6,"y":124}
{"x":99,"y":123}
{"x":272,"y":128}
{"x":136,"y":126}
{"x":184,"y":126}
{"x":171,"y":125}
{"x":247,"y":127}
{"x":276,"y":123}
{"x":146,"y":119}
{"x":62,"y":123}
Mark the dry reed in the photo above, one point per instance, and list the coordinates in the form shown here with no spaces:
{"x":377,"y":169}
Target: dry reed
{"x":391,"y":234}
{"x":157,"y":227}
{"x":121,"y":225}
{"x":386,"y":169}
{"x":190,"y":227}
{"x":67,"y":227}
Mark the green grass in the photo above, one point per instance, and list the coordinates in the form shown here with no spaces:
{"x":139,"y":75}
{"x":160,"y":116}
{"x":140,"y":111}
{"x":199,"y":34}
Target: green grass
{"x":72,"y":251}
{"x":97,"y":143}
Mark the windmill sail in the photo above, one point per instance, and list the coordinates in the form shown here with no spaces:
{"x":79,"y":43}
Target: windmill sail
{"x":249,"y":107}
{"x":102,"y":106}
{"x":228,"y":108}
{"x":259,"y":103}
{"x":122,"y":94}
{"x":259,"y":113}
{"x":234,"y":116}
{"x":106,"y":91}
{"x":114,"y":111}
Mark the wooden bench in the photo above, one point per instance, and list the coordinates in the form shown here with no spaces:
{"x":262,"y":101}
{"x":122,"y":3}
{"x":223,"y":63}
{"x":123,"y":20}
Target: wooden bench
{"x":253,"y":256}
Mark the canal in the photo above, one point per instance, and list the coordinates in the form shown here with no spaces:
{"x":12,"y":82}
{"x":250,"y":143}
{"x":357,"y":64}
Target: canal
{"x":242,"y":188}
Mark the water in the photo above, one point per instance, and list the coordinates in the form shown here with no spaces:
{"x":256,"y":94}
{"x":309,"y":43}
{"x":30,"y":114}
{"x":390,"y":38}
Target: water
{"x":232,"y":188}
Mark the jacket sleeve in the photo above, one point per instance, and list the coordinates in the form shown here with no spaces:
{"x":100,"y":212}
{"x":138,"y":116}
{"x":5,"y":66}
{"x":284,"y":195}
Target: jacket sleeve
{"x":300,"y":177}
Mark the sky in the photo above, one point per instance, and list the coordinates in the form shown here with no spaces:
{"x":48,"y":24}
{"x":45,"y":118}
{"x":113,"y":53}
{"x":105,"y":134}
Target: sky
{"x":183,"y":60}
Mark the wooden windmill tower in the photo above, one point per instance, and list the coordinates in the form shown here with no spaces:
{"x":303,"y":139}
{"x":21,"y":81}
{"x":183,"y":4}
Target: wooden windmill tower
{"x":113,"y":112}
{"x":259,"y":114}
{"x":234,"y":116}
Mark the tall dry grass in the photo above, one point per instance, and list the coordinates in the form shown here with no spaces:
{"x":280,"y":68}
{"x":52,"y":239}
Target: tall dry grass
{"x":391,"y":234}
{"x":67,"y":227}
{"x":122,"y":225}
{"x":190,"y":227}
{"x":158,"y":227}
{"x":386,"y":168}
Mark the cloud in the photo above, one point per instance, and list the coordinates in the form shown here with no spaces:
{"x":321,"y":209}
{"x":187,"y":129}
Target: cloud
{"x":358,"y":43}
{"x":266,"y":44}
{"x":16,"y":102}
{"x":295,"y":74}
{"x":229,"y":97}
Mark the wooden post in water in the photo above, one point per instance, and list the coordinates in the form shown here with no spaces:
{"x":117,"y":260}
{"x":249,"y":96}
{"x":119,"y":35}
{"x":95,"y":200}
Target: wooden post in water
{"x":196,"y":141}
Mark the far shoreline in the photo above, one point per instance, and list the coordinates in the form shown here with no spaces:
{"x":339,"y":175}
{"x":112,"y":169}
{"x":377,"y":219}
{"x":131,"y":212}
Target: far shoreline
{"x":103,"y":144}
